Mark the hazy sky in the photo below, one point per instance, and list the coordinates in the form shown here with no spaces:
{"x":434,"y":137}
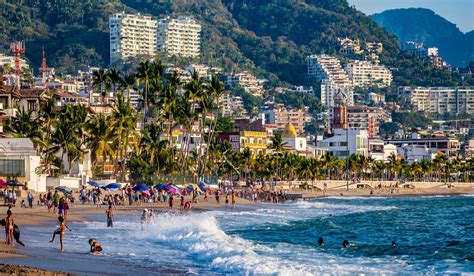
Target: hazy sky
{"x":459,"y":12}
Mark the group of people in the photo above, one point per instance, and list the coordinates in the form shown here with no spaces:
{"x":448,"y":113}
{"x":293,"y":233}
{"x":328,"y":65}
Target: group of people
{"x":263,"y":196}
{"x":345,"y":243}
{"x":217,"y":194}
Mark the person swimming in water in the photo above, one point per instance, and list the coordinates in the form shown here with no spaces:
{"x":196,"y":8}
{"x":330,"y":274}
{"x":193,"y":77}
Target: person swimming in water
{"x":96,"y":247}
{"x":345,"y":244}
{"x":394,"y":244}
{"x":321,"y":241}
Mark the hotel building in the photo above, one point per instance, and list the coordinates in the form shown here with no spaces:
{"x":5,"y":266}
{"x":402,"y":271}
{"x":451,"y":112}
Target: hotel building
{"x":132,"y":35}
{"x":366,"y":73}
{"x":455,"y":100}
{"x":179,"y":36}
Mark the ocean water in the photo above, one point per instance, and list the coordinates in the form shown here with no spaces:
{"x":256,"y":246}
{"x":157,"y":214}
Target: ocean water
{"x":435,"y":235}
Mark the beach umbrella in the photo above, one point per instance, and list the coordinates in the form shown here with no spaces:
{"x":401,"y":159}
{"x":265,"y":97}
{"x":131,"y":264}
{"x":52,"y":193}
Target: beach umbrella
{"x":94,"y":183}
{"x":141,"y":188}
{"x":14,"y":183}
{"x":202,"y":186}
{"x":193,"y":187}
{"x":112,"y":186}
{"x":171,"y":188}
{"x":160,"y":186}
{"x":64,"y":189}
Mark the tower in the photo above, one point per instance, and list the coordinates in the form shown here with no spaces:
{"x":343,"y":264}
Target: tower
{"x":43,"y":68}
{"x":17,"y":48}
{"x":339,"y":116}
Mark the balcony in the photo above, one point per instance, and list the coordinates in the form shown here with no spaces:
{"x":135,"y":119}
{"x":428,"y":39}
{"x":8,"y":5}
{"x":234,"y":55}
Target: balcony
{"x":255,"y":145}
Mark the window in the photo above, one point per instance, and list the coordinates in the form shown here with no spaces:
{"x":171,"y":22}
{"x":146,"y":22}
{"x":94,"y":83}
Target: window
{"x":31,"y":105}
{"x":12,"y":167}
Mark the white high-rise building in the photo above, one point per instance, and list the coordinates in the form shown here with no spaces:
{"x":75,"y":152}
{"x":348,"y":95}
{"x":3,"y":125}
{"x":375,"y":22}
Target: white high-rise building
{"x":455,"y":100}
{"x":132,"y":35}
{"x":366,"y":73}
{"x":334,"y":79}
{"x":179,"y":36}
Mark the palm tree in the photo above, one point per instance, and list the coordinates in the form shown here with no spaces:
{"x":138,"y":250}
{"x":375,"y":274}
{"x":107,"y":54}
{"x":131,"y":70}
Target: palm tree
{"x":114,"y":78}
{"x":99,"y":140}
{"x":144,"y":74}
{"x":101,"y":84}
{"x":216,"y":89}
{"x":123,"y":124}
{"x":25,"y":125}
{"x":128,"y":83}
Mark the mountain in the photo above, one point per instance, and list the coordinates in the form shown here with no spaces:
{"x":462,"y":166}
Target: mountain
{"x":425,"y":26}
{"x":269,"y":37}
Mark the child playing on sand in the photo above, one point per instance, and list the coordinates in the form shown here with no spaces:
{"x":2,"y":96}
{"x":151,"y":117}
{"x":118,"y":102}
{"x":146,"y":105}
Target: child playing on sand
{"x":60,"y":231}
{"x":187,"y":205}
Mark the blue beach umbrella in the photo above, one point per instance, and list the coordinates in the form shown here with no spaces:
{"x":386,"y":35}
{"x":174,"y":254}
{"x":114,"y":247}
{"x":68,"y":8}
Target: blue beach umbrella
{"x":160,"y":186}
{"x":202,"y":186}
{"x":64,"y":189}
{"x":112,"y":186}
{"x":14,"y":183}
{"x":141,"y":188}
{"x":93,"y":183}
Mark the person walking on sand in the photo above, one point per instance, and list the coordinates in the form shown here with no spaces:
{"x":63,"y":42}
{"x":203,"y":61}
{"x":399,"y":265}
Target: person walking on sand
{"x":55,"y":201}
{"x":170,"y":201}
{"x":217,"y":196}
{"x":60,"y":231}
{"x":226,"y":200}
{"x":110,"y":217}
{"x":30,"y":199}
{"x":9,"y":226}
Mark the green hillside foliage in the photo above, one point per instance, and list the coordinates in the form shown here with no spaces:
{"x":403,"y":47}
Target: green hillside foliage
{"x":269,"y":37}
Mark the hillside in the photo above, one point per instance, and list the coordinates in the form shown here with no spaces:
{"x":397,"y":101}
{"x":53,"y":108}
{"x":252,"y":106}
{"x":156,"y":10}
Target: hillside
{"x":271,"y":38}
{"x":423,"y":25}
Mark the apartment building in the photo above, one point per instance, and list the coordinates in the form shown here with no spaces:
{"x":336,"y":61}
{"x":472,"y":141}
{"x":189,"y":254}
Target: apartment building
{"x":430,"y":146}
{"x":349,"y":46}
{"x":343,"y":143}
{"x":232,"y":106}
{"x":366,"y":73}
{"x":132,"y":35}
{"x":247,"y":81}
{"x":334,"y":79}
{"x":179,"y":36}
{"x":277,"y":114}
{"x":366,"y":118}
{"x":256,"y":141}
{"x":429,"y":53}
{"x":440,"y":100}
{"x":299,"y":89}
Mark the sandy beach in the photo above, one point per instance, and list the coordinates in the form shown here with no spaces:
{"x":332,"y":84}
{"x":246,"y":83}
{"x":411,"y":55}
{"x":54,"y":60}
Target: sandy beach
{"x":39,"y":216}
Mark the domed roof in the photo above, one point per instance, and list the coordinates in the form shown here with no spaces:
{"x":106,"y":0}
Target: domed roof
{"x":289,"y":132}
